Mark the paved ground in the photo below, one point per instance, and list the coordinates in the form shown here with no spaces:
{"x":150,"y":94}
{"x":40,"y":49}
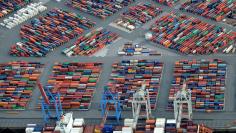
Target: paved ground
{"x":216,"y":119}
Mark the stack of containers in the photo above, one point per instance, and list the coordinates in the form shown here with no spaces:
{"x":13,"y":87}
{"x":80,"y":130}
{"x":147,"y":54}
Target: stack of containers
{"x":213,"y":9}
{"x":49,"y":32}
{"x":170,"y":126}
{"x":89,"y":129}
{"x":77,"y":126}
{"x":33,"y":128}
{"x":91,"y":43}
{"x":8,"y":6}
{"x":138,"y":15}
{"x":205,"y":79}
{"x":24,"y":14}
{"x":150,"y":125}
{"x":160,"y":125}
{"x":190,"y":35}
{"x":128,"y":75}
{"x":188,"y":126}
{"x":101,"y":8}
{"x":17,"y":81}
{"x":131,"y":49}
{"x":49,"y":128}
{"x":76,"y":83}
{"x":167,"y":2}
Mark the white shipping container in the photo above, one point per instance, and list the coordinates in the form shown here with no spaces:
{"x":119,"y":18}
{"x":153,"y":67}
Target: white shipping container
{"x":127,"y":130}
{"x":121,"y":53}
{"x":229,"y":49}
{"x":128,"y":122}
{"x":117,"y":131}
{"x":78,"y":122}
{"x":137,"y":53}
{"x":160,"y":122}
{"x":159,"y":130}
{"x":76,"y":130}
{"x":130,"y":27}
{"x":29,"y":130}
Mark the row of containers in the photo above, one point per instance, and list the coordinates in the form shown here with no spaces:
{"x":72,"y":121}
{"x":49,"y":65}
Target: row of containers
{"x":205,"y":79}
{"x":17,"y":82}
{"x":170,"y":3}
{"x":132,"y":49}
{"x":138,"y":15}
{"x":48,"y":32}
{"x":78,"y":81}
{"x":90,"y":43}
{"x":101,"y":8}
{"x":9,"y":6}
{"x":190,"y":35}
{"x":213,"y":9}
{"x":158,"y":125}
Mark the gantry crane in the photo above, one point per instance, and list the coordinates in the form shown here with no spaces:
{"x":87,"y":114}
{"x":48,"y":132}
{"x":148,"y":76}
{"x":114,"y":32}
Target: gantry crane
{"x":109,"y":102}
{"x":182,"y":97}
{"x":50,"y":99}
{"x":140,"y":99}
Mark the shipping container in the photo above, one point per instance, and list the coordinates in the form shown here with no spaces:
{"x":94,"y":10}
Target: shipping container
{"x":101,"y":8}
{"x":48,"y":32}
{"x":205,"y":79}
{"x":9,"y":6}
{"x":76,"y":83}
{"x":17,"y":82}
{"x":138,"y":15}
{"x":190,"y":35}
{"x":91,"y":43}
{"x":128,"y":75}
{"x":169,"y":3}
{"x":214,"y":9}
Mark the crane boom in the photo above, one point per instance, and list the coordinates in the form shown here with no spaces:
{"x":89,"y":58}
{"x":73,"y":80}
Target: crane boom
{"x":43,"y":93}
{"x":48,"y":100}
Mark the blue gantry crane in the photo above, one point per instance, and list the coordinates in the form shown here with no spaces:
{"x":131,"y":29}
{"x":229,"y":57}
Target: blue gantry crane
{"x":111,"y":108}
{"x":50,"y":99}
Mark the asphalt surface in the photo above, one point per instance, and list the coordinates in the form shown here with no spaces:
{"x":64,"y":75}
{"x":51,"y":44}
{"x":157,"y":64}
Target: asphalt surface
{"x":31,"y":115}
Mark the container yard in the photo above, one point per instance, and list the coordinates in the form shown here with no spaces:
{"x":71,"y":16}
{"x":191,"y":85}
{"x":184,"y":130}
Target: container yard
{"x":23,"y":14}
{"x":128,"y":75}
{"x":137,"y":15}
{"x":18,"y":80}
{"x":213,"y":9}
{"x":76,"y":83}
{"x":190,"y":35}
{"x":99,"y":9}
{"x":91,"y":43}
{"x":46,"y":33}
{"x":9,"y":6}
{"x":169,"y":3}
{"x":66,"y":67}
{"x":205,"y":78}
